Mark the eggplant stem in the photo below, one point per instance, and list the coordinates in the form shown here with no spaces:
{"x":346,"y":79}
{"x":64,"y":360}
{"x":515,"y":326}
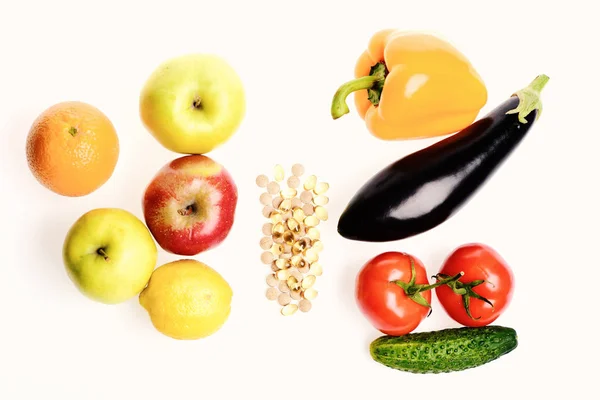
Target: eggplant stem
{"x":530,"y":99}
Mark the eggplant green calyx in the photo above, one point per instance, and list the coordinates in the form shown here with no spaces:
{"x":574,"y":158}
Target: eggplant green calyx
{"x":465,"y":290}
{"x":530,"y":99}
{"x":373,"y":83}
{"x":414,"y":290}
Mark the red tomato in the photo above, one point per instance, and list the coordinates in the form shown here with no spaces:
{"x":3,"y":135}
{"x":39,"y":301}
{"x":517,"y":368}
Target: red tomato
{"x":479,"y":263}
{"x":387,"y":305}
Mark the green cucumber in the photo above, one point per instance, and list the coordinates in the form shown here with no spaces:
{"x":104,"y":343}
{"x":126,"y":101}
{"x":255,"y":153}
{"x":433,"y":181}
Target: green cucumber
{"x":444,"y":351}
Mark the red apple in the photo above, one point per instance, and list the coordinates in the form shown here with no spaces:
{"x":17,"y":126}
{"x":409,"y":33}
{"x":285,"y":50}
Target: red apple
{"x":189,"y":205}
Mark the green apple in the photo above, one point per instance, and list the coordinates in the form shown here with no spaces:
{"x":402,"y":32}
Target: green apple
{"x":193,"y":103}
{"x":109,"y":254}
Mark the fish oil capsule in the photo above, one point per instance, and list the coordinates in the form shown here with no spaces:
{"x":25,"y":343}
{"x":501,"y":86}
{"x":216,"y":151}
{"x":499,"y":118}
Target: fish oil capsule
{"x":321,"y":188}
{"x":282,"y":275}
{"x":288,"y":310}
{"x":278,"y":230}
{"x":315,"y":269}
{"x":317,"y":246}
{"x":300,"y":246}
{"x":288,"y":238}
{"x":277,"y":249}
{"x":293,"y":283}
{"x":311,"y":221}
{"x":308,"y":281}
{"x":276,"y":217}
{"x":278,"y":173}
{"x":310,"y":294}
{"x":320,"y":200}
{"x":295,"y":260}
{"x":293,"y":225}
{"x":298,"y":214}
{"x":302,"y":264}
{"x":321,"y":213}
{"x":313,"y":233}
{"x":285,"y":206}
{"x":310,"y":182}
{"x":282,"y":263}
{"x":311,"y":255}
{"x":288,"y":193}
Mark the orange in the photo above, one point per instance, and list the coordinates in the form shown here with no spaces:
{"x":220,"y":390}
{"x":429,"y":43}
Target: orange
{"x":72,"y":148}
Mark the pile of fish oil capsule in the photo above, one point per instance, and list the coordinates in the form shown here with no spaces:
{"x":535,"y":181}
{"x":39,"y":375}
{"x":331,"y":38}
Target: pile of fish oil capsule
{"x":291,"y":243}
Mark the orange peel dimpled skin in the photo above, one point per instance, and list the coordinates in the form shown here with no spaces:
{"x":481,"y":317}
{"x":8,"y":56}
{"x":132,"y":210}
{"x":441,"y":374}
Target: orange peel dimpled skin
{"x":72,"y":148}
{"x":412,"y":85}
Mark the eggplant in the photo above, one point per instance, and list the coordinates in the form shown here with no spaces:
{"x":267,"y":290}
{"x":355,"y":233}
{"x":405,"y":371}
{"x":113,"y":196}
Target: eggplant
{"x":424,"y":189}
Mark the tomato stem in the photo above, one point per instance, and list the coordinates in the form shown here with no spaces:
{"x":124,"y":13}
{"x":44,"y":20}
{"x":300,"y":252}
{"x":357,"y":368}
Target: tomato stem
{"x":414,"y":290}
{"x":465,"y":290}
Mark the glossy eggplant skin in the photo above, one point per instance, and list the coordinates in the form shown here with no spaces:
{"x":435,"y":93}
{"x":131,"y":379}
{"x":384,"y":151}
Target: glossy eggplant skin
{"x":424,"y":189}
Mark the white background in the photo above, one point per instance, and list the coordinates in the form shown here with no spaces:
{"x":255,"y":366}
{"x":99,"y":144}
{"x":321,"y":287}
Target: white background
{"x":540,"y":211}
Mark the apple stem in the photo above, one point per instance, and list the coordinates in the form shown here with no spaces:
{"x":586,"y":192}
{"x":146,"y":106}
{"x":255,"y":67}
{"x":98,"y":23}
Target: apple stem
{"x":102,"y":252}
{"x":197,"y":103}
{"x":187,"y":211}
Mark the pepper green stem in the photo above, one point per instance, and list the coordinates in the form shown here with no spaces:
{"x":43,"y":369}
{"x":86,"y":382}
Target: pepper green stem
{"x":530,"y":99}
{"x":339,"y":106}
{"x":372,"y":82}
{"x":414,"y":290}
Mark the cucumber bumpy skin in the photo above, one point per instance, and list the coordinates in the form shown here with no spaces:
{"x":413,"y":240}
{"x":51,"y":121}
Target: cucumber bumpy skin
{"x":443,"y":351}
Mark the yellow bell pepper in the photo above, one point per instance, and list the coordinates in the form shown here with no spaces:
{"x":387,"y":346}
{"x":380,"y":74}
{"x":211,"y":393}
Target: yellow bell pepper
{"x":412,"y":85}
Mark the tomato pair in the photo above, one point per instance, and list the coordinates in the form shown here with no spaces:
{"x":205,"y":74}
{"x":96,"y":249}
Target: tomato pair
{"x":474,"y":286}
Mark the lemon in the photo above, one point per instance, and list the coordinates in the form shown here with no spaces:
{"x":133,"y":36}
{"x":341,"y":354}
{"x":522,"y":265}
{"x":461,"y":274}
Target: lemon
{"x":187,"y":299}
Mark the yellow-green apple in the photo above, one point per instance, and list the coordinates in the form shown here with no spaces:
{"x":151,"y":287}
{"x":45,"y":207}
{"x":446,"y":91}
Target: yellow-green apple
{"x":189,"y":206}
{"x":109,"y":254}
{"x":193,"y":103}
